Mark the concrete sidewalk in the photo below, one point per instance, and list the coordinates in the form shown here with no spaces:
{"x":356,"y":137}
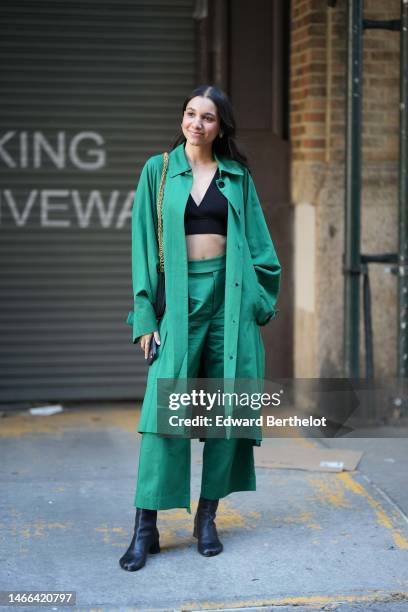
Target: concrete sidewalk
{"x":303,"y":540}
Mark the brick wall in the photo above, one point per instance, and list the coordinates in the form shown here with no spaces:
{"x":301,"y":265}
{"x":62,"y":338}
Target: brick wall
{"x":317,"y":115}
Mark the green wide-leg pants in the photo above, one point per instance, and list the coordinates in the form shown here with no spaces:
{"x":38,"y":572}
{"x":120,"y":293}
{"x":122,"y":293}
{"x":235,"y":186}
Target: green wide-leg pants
{"x":163,"y":480}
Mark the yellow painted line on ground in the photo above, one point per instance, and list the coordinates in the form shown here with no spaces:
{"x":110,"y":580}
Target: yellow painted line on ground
{"x":333,"y":491}
{"x":35,"y":529}
{"x":379,"y":596}
{"x":15,"y":425}
{"x":384,"y":519}
{"x":330,"y":490}
{"x":306,"y":442}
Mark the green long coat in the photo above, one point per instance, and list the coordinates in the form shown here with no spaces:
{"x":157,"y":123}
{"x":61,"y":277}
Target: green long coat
{"x":252,"y":273}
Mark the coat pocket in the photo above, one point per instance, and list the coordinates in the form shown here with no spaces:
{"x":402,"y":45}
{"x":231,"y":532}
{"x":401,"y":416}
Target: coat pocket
{"x":162,"y":333}
{"x":261,"y":310}
{"x":157,"y":366}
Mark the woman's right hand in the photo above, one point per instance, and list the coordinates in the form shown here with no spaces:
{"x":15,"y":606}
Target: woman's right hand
{"x":145,"y":342}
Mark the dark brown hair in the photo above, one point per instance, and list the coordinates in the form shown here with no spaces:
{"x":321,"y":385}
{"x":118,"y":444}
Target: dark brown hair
{"x":225,"y":146}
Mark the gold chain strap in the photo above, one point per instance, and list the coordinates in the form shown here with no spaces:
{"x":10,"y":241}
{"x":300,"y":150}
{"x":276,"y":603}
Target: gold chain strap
{"x":159,"y":210}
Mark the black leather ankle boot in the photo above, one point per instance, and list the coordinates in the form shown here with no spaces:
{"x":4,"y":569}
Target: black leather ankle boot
{"x":205,"y":529}
{"x":145,"y":540}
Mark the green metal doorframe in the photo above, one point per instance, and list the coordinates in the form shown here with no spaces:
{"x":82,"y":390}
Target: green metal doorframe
{"x":403,"y":201}
{"x":352,"y":232}
{"x":354,"y":262}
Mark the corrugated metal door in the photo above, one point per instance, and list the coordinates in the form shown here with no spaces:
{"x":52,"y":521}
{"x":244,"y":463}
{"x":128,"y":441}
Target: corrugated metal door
{"x":90,"y":89}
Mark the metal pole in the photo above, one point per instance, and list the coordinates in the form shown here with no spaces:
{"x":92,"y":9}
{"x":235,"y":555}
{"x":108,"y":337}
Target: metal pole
{"x":353,"y":189}
{"x":403,"y":201}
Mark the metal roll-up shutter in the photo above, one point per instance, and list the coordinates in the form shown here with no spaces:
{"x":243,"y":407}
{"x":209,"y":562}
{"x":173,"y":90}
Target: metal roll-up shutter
{"x":89,"y":90}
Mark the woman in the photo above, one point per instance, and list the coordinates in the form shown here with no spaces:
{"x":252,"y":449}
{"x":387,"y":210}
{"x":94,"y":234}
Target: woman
{"x":222,"y":282}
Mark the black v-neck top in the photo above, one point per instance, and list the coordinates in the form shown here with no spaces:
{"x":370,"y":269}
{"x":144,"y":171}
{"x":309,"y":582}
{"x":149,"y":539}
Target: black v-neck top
{"x":211,"y":216}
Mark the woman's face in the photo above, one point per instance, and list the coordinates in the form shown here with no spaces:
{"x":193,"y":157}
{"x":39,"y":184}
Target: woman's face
{"x":201,"y":123}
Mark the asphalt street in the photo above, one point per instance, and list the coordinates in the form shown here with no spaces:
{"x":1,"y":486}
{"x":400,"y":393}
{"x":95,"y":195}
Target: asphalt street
{"x":304,"y":540}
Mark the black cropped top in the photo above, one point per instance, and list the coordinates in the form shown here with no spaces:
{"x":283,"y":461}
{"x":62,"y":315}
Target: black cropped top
{"x":211,"y":215}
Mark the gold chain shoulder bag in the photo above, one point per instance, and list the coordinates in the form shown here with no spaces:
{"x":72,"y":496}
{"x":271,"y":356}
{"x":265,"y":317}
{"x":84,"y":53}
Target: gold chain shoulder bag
{"x":160,"y":303}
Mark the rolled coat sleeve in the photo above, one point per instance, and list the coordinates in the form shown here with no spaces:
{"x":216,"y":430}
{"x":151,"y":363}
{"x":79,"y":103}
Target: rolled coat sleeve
{"x":145,"y":256}
{"x":263,"y":254}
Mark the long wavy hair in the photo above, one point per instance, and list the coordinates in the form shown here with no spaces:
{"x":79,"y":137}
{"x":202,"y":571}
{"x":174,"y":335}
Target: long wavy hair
{"x":225,"y":146}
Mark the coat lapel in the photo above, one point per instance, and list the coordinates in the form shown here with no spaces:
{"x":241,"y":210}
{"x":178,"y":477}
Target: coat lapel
{"x":179,"y":166}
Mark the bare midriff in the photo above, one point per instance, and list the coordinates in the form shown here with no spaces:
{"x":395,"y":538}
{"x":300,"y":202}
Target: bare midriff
{"x":205,"y":246}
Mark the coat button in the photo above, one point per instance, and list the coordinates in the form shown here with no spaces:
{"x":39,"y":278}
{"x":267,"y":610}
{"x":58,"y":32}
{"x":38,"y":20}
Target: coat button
{"x":221,"y":184}
{"x":236,"y":284}
{"x":231,"y":356}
